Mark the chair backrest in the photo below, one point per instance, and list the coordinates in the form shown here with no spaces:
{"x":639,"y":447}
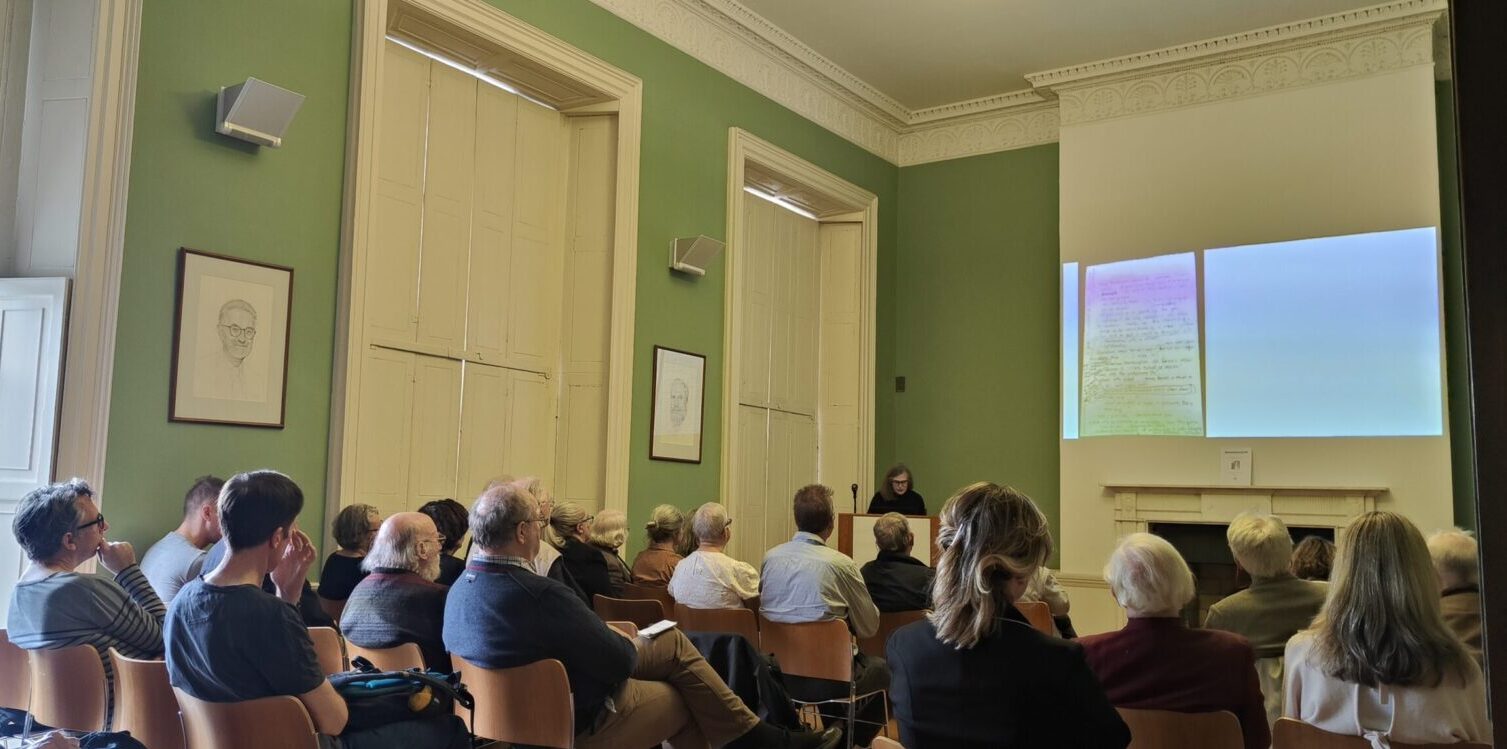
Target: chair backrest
{"x":1164,"y":729}
{"x":737,"y":621}
{"x":15,"y":675}
{"x":642,"y":612}
{"x":882,"y":742}
{"x":628,"y":628}
{"x":68,"y":688}
{"x":818,"y":650}
{"x":400,"y":658}
{"x":329,"y":649}
{"x":659,"y":593}
{"x":1038,"y":615}
{"x":254,"y":724}
{"x":529,"y":704}
{"x":1295,"y":734}
{"x":144,"y":702}
{"x":888,"y":623}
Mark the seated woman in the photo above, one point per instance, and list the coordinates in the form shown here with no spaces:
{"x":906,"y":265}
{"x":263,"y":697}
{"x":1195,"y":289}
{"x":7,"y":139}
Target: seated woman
{"x":60,"y":527}
{"x":974,"y":674}
{"x":1156,"y":662}
{"x":1379,"y":661}
{"x":609,"y":531}
{"x":569,"y":531}
{"x":450,"y":517}
{"x":354,"y":529}
{"x":656,"y":564}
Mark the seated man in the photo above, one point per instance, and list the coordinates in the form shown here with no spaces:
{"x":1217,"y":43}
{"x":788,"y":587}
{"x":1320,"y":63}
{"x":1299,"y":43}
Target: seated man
{"x":804,"y":580}
{"x":230,"y":641}
{"x":179,"y":556}
{"x":1454,"y":553}
{"x":896,"y":580}
{"x":60,"y":527}
{"x":1274,"y":607}
{"x":400,"y":600}
{"x":628,"y":692}
{"x":709,"y":578}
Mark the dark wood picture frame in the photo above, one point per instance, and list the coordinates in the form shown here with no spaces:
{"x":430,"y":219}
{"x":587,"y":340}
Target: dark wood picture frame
{"x":199,"y":409}
{"x":667,"y":449}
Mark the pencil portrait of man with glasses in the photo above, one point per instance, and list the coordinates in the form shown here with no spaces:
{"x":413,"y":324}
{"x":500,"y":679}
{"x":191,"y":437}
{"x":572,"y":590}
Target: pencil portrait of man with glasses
{"x":223,"y":369}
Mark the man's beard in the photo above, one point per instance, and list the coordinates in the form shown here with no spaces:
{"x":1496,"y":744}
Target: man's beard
{"x":431,"y":570}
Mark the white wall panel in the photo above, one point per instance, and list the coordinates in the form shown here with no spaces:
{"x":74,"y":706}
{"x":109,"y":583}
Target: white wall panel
{"x":484,"y":428}
{"x":436,"y":430}
{"x":838,"y":384}
{"x":444,"y":252}
{"x":531,"y":427}
{"x":534,"y":283}
{"x":492,"y":224}
{"x":392,"y":263}
{"x":755,"y":267}
{"x":383,"y":424}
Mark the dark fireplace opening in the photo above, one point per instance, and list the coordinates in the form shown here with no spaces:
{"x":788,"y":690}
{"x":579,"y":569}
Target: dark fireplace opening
{"x":1208,"y":554}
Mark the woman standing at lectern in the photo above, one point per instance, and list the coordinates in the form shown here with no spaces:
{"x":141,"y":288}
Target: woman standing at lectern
{"x":897,"y":494}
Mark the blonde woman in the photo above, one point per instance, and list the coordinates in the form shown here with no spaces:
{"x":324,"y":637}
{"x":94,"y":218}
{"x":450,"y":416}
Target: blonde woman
{"x":569,"y":531}
{"x":974,"y":674}
{"x":666,"y":530}
{"x":1379,"y":661}
{"x":609,"y":531}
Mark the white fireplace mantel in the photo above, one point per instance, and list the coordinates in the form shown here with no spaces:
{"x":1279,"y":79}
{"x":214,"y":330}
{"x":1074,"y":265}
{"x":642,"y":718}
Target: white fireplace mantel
{"x":1138,"y":505}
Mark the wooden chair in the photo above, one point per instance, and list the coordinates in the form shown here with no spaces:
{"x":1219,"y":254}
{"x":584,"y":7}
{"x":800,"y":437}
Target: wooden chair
{"x":642,"y":612}
{"x":329,"y":648}
{"x":15,"y":675}
{"x":68,"y":688}
{"x":1295,"y":734}
{"x":737,"y":621}
{"x":1038,"y":614}
{"x":888,"y":623}
{"x":881,"y":742}
{"x":1164,"y":729}
{"x":529,"y":705}
{"x":817,"y":650}
{"x":628,"y":628}
{"x":659,"y":593}
{"x":144,"y":702}
{"x":254,"y":724}
{"x":400,"y":658}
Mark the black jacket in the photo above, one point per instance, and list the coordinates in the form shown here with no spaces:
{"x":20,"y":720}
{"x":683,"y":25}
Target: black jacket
{"x":1015,"y":689}
{"x":909,"y":503}
{"x":898,"y":582}
{"x":588,"y":569}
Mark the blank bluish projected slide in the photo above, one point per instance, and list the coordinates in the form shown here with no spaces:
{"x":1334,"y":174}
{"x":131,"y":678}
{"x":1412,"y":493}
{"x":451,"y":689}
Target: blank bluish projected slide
{"x":1070,"y":351}
{"x":1327,"y":337}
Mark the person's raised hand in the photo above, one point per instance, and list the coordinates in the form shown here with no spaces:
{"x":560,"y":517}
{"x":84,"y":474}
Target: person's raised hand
{"x":116,"y":555}
{"x":293,"y":567}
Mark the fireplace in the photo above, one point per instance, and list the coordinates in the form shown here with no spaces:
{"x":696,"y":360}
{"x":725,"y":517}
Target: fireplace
{"x":1208,"y":554}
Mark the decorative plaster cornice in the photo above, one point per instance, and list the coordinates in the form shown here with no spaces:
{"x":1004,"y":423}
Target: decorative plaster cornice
{"x":1017,"y":127}
{"x":984,"y":104}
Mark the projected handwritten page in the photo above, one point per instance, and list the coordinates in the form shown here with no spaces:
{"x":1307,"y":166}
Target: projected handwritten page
{"x":1140,"y":349}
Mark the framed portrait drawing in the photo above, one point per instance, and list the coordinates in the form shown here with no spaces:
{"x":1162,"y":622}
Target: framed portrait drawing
{"x":230,"y":341}
{"x":675,"y":424}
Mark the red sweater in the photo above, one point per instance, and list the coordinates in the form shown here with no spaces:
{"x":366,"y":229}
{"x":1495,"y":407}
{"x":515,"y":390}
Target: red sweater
{"x":1160,"y":664}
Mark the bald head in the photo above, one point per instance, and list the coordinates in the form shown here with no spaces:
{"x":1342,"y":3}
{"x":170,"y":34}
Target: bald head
{"x":406,"y":541}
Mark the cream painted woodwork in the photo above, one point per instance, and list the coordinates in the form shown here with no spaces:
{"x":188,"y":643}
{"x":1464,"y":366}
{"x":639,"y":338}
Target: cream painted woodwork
{"x":15,"y":41}
{"x":838,"y":390}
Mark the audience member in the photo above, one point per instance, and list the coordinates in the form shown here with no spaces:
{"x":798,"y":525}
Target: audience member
{"x":897,"y":493}
{"x":354,"y":529}
{"x":569,"y":529}
{"x":656,"y":564}
{"x":1156,"y":662}
{"x":1045,"y":588}
{"x":1312,"y":558}
{"x":804,"y":580}
{"x":449,"y":518}
{"x":179,"y":556}
{"x":400,"y":600}
{"x":896,"y":581}
{"x":1274,"y":607}
{"x":709,"y":578}
{"x":609,"y":531}
{"x":59,"y":527}
{"x":975,"y":674}
{"x":1454,"y":555}
{"x":629,"y":692}
{"x":309,"y":607}
{"x":229,"y":641}
{"x":1379,"y":661}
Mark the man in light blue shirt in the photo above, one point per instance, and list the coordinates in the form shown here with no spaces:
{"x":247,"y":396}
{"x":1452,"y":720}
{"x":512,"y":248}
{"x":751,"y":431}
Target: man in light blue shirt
{"x":804,"y":580}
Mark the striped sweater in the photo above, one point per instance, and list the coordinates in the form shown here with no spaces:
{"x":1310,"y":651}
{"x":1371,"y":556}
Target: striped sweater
{"x":66,"y":609}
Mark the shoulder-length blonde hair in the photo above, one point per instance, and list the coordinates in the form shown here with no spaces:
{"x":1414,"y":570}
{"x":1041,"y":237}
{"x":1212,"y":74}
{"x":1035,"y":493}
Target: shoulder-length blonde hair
{"x":989,"y":534}
{"x":1381,"y":623}
{"x":563,"y":520}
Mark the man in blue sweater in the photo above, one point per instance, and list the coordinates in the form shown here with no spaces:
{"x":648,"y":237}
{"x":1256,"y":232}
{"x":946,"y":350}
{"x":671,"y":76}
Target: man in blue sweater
{"x":629,"y":692}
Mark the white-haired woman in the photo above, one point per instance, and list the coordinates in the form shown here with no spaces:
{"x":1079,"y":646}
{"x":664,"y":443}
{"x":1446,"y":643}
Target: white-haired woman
{"x":666,"y":531}
{"x":1156,"y":662}
{"x":609,"y":531}
{"x":974,"y":674}
{"x":1379,"y":661}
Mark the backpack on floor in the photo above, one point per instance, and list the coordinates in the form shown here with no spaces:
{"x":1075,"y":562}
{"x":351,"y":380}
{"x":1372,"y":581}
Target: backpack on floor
{"x":376,"y":698}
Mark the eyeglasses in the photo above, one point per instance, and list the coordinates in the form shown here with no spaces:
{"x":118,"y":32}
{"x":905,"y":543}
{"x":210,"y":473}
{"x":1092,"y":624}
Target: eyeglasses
{"x":237,"y":331}
{"x":97,"y":521}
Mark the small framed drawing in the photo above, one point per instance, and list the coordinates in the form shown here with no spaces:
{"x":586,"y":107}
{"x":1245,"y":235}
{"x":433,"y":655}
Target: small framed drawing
{"x":675,"y":425}
{"x":230,"y":341}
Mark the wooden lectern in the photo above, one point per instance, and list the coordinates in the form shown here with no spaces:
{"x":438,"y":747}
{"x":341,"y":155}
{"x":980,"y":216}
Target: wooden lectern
{"x":855,"y":537}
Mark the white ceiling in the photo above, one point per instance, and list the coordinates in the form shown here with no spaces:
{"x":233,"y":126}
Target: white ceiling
{"x":925,"y":53}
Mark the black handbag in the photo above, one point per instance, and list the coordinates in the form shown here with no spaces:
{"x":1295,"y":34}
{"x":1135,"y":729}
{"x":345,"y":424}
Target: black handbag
{"x":377,"y":698}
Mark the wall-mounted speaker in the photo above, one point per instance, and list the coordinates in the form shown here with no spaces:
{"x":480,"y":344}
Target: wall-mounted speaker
{"x":256,"y":111}
{"x":692,"y":254}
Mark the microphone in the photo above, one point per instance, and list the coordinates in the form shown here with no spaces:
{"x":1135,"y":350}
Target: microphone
{"x":854,"y":489}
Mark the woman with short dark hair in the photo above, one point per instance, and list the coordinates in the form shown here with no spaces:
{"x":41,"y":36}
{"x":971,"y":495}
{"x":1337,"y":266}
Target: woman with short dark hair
{"x":897,"y":493}
{"x":354,"y":529}
{"x":450,"y":518}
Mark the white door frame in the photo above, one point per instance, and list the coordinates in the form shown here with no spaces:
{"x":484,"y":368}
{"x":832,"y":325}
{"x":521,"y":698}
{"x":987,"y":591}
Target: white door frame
{"x":620,"y":93}
{"x":859,"y":206}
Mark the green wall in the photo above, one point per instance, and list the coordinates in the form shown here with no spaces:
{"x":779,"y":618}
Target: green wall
{"x":976,"y":324}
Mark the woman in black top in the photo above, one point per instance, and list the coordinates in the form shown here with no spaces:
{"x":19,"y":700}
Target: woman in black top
{"x":570,"y":530}
{"x":896,"y":494}
{"x":451,"y":519}
{"x":355,"y":528}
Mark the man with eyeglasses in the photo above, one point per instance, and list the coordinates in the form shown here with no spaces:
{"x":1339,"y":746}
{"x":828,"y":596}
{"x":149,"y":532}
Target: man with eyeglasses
{"x":399,"y":601}
{"x":223,"y":372}
{"x":60,"y":527}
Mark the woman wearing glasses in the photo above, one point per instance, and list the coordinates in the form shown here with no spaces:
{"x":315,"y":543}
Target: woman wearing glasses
{"x":60,"y":527}
{"x":570,"y":532}
{"x":897,"y":493}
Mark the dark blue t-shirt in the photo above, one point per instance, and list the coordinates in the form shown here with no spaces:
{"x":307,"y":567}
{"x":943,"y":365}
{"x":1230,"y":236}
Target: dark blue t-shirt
{"x":234,"y":643}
